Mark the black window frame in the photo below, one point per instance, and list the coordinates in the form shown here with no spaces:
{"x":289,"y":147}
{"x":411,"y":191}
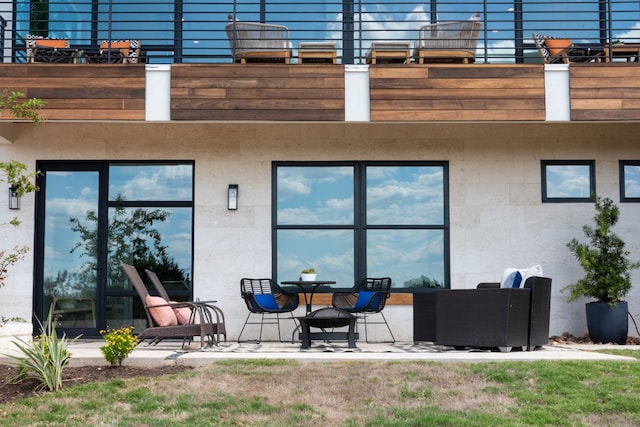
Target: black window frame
{"x":360,"y":226}
{"x":592,"y":180}
{"x":623,"y":196}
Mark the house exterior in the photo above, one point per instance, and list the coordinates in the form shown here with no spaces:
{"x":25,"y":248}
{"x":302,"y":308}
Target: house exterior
{"x":437,"y":175}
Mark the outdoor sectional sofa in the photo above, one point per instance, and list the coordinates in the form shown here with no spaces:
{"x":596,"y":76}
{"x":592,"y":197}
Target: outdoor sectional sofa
{"x":486,"y":317}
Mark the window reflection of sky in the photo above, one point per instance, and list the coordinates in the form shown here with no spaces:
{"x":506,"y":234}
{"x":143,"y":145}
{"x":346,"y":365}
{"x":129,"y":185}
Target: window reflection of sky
{"x":631,"y":181}
{"x":405,"y":254}
{"x":404,"y":195}
{"x":315,"y":195}
{"x":396,"y":196}
{"x":74,"y":194}
{"x":330,"y":252}
{"x":568,"y":181}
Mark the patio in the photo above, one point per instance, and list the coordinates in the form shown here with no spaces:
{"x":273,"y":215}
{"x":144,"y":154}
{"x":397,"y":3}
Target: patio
{"x":88,"y":353}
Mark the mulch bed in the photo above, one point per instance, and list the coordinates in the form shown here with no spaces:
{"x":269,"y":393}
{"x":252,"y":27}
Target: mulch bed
{"x":9,"y":393}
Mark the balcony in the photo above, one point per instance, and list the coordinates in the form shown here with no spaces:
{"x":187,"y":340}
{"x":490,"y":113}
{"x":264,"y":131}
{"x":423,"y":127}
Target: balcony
{"x":187,"y":70}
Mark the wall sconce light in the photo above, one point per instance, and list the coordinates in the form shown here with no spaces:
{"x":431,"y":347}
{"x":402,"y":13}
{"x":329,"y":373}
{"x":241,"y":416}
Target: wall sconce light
{"x":14,"y":198}
{"x":232,"y":197}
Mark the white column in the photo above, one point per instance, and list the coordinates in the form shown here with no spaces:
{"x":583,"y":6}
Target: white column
{"x":356,"y":93}
{"x":157,"y":96}
{"x":557,"y":92}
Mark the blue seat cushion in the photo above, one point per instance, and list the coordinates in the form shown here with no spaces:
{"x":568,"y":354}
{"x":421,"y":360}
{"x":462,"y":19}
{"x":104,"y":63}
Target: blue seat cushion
{"x":267,"y":301}
{"x":367,"y":300}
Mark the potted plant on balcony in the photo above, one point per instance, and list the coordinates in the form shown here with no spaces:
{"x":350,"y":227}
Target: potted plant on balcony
{"x":607,"y":276}
{"x":308,"y":275}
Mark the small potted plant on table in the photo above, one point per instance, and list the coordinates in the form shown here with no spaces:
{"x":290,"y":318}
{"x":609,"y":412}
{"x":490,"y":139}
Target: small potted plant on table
{"x":308,"y":275}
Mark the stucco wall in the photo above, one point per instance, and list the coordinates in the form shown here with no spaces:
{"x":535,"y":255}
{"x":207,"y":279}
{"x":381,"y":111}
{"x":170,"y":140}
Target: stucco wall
{"x":497,"y":218}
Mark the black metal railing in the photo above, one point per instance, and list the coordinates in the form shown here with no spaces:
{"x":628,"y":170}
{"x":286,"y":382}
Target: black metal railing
{"x":194,"y":31}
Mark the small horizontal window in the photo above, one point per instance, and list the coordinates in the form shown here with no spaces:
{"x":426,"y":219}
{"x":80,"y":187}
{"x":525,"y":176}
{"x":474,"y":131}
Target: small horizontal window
{"x":568,"y":181}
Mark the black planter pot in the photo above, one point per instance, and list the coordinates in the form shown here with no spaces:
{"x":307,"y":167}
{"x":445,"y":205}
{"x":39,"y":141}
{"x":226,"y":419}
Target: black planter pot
{"x":607,"y":323}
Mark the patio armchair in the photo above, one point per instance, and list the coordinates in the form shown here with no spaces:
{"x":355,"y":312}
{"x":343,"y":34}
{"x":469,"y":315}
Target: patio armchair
{"x":264,"y":297}
{"x":454,"y":41}
{"x":258,"y":42}
{"x":215,"y":311}
{"x":50,"y":50}
{"x":555,"y":50}
{"x":366,"y":298}
{"x":494,"y":317}
{"x":162,"y":319}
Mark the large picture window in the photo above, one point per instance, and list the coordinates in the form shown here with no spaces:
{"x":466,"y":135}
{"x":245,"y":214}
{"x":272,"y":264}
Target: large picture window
{"x":362,"y":219}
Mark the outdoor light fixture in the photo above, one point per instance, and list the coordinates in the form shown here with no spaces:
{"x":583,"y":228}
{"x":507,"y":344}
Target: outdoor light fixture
{"x":232,"y":197}
{"x":14,"y":198}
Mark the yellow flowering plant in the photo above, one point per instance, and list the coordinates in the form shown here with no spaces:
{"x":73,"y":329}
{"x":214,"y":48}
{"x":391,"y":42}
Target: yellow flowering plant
{"x":118,"y":344}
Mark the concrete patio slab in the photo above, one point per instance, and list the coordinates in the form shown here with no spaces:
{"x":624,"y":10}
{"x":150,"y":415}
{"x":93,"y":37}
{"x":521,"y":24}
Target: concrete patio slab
{"x":88,"y":353}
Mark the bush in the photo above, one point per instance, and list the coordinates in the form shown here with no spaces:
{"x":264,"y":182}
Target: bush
{"x":45,"y":358}
{"x":119,"y":343}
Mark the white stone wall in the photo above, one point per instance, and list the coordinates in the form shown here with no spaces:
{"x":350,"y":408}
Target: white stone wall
{"x":497,"y":218}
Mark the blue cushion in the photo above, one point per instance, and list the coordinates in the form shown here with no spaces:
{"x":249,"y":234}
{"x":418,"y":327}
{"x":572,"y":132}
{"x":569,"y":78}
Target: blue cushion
{"x":517,"y":279}
{"x":365,"y":300}
{"x":267,"y":301}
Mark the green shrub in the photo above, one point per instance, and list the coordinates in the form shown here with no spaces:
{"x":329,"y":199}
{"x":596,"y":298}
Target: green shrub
{"x":45,"y":358}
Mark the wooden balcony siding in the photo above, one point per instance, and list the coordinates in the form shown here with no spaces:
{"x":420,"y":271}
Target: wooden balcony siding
{"x":605,"y":91}
{"x":257,"y":92}
{"x":80,"y":91}
{"x":436,"y":92}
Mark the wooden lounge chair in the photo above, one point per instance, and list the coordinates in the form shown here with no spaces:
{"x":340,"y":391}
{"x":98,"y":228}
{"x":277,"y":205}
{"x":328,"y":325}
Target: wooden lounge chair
{"x":162,"y":319}
{"x":389,"y":52}
{"x":555,"y":50}
{"x":50,"y":50}
{"x":207,"y":305}
{"x":257,"y":42}
{"x":454,"y":41}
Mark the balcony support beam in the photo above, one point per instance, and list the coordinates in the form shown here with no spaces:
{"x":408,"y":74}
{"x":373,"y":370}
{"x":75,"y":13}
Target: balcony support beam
{"x":357,"y":105}
{"x":557,"y":92}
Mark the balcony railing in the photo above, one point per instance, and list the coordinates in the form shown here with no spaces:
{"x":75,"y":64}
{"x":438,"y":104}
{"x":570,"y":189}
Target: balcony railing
{"x":193,"y":31}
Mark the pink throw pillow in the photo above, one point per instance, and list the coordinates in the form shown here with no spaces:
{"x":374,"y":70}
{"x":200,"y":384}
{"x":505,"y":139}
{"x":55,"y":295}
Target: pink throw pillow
{"x":183,"y":314}
{"x":163,"y":316}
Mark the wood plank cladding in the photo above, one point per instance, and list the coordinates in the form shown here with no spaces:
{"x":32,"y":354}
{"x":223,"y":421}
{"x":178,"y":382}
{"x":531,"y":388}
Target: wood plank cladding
{"x":434,"y":92}
{"x":394,"y":299}
{"x":257,"y":92}
{"x":80,"y":91}
{"x":605,"y":91}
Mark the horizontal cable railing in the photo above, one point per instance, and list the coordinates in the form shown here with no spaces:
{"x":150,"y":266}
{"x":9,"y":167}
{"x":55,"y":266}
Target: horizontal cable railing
{"x":194,"y":31}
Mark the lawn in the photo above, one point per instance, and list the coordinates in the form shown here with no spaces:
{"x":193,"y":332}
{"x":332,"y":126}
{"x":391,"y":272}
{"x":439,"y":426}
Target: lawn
{"x":297,"y":393}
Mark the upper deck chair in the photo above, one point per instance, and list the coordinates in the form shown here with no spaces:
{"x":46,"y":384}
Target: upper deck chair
{"x":51,"y":50}
{"x":558,"y":51}
{"x":115,"y":52}
{"x":367,"y":298}
{"x":258,"y":42}
{"x":161,"y":315}
{"x":265,"y":297}
{"x":453,"y":41}
{"x":181,"y":314}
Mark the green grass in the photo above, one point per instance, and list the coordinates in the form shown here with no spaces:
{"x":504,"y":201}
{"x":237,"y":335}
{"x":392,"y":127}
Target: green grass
{"x":278,"y":393}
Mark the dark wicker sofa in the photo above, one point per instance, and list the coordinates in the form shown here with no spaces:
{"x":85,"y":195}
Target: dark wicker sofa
{"x":494,"y":317}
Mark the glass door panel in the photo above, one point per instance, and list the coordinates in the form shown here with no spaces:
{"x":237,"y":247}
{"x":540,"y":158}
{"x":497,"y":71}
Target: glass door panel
{"x":70,"y":259}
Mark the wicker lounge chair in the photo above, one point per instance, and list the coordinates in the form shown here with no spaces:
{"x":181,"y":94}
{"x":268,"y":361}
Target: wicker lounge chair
{"x":454,"y":41}
{"x":207,"y":305}
{"x":257,"y":42}
{"x":159,"y":311}
{"x":367,"y":298}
